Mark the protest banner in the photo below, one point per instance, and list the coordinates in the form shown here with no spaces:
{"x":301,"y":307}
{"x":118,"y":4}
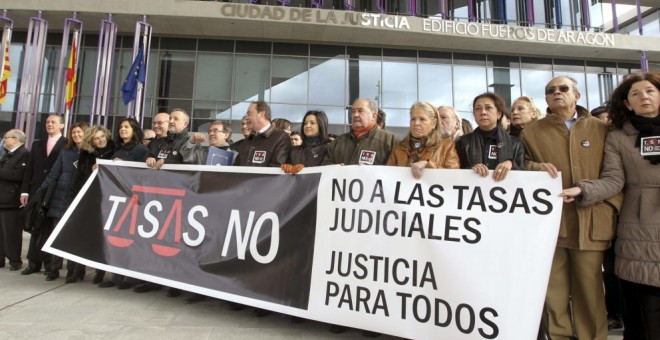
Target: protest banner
{"x":453,"y":255}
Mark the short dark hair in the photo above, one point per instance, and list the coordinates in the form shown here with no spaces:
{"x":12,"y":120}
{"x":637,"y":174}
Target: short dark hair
{"x":497,"y":100}
{"x":262,"y":106}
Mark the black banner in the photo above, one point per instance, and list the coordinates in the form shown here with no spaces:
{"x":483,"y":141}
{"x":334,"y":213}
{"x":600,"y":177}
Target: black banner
{"x":223,"y":231}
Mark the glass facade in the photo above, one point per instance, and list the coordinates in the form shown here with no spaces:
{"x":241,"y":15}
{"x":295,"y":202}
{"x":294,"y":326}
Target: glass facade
{"x":216,"y":79}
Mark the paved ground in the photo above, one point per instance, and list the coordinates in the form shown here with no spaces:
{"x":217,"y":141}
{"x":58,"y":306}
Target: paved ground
{"x":32,"y":308}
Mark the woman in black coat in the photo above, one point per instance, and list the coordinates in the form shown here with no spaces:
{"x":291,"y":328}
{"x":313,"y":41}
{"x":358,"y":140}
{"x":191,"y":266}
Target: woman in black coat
{"x":96,"y":144}
{"x":314,"y":139}
{"x":61,"y":174}
{"x":128,"y":141}
{"x":129,"y":147}
{"x":489,"y":146}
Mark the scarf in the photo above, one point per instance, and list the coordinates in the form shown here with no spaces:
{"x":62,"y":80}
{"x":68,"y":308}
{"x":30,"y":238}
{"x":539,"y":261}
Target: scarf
{"x":415,"y":148}
{"x":647,"y":127}
{"x":515,"y":131}
{"x":359,"y":133}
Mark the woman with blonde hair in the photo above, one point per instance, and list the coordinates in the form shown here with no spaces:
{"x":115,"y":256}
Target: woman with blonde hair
{"x":523,"y":113}
{"x":96,"y":144}
{"x":424,"y":146}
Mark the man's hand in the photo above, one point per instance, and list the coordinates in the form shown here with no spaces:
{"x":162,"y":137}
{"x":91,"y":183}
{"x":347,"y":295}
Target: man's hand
{"x":550,"y":169}
{"x":197,"y":137}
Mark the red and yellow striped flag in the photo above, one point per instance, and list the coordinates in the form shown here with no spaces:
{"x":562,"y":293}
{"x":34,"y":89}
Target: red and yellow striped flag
{"x":6,"y":73}
{"x":71,"y":77}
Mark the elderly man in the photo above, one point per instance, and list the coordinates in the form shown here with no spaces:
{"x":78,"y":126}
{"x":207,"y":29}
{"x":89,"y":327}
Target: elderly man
{"x":570,"y":140}
{"x":166,"y":149}
{"x":267,"y":145}
{"x":366,"y":143}
{"x":12,"y":170}
{"x":167,"y":146}
{"x":43,"y":155}
{"x":195,"y":153}
{"x":450,"y":123}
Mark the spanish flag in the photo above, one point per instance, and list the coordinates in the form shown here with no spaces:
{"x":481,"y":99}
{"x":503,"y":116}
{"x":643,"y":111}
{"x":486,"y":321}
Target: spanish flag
{"x":71,"y":77}
{"x":6,"y":73}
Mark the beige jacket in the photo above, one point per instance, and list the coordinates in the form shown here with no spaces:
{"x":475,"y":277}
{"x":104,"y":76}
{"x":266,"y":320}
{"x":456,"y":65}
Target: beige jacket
{"x":578,"y":154}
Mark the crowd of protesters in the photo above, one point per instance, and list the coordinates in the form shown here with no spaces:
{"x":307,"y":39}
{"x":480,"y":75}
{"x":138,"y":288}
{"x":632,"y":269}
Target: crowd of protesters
{"x":611,"y":182}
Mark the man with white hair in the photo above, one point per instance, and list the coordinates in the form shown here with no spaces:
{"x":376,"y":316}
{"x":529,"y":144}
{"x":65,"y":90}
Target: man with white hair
{"x":450,"y":123}
{"x":12,"y":169}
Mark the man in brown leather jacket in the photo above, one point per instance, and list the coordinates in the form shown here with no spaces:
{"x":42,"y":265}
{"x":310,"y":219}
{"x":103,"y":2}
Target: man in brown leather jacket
{"x":267,"y":145}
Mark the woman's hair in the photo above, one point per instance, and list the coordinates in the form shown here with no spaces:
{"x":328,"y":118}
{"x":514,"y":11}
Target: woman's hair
{"x":466,"y":126}
{"x":435,"y":137}
{"x":497,"y":100}
{"x":69,"y":139}
{"x":321,"y":120}
{"x":88,"y":139}
{"x":536,"y":112}
{"x":137,"y":136}
{"x":617,"y":104}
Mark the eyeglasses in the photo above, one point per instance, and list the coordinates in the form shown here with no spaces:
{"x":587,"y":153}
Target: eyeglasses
{"x":161,"y":122}
{"x":553,"y":89}
{"x":216,"y":131}
{"x":7,"y":137}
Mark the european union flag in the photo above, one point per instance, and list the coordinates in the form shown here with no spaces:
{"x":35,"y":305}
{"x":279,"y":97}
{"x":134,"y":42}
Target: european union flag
{"x":135,"y":75}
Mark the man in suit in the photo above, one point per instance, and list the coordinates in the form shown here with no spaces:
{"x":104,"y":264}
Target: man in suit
{"x":43,"y":155}
{"x":12,"y":167}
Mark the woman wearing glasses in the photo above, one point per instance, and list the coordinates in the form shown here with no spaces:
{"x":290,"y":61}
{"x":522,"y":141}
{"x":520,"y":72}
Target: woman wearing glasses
{"x":489,"y":147}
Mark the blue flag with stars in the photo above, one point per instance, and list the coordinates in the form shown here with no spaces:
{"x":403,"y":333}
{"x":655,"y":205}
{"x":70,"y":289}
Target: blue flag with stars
{"x":135,"y":75}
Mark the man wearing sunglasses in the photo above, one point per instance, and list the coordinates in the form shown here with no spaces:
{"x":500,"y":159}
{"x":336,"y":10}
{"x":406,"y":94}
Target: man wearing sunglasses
{"x":571,"y":142}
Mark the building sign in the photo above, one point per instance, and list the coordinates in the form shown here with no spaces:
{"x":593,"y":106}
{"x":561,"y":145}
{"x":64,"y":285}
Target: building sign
{"x":415,"y":24}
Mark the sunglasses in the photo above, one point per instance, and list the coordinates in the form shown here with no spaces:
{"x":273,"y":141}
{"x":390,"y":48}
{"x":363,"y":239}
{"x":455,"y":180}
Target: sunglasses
{"x":562,"y":88}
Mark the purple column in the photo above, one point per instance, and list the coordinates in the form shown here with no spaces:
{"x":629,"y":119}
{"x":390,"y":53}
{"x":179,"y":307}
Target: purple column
{"x":586,"y":15}
{"x":530,"y":12}
{"x":615,"y":19}
{"x":472,"y":10}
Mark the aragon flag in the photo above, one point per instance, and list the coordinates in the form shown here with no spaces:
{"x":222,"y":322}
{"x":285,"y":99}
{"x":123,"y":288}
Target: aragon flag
{"x":135,"y":75}
{"x":71,"y":77}
{"x":6,"y":73}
